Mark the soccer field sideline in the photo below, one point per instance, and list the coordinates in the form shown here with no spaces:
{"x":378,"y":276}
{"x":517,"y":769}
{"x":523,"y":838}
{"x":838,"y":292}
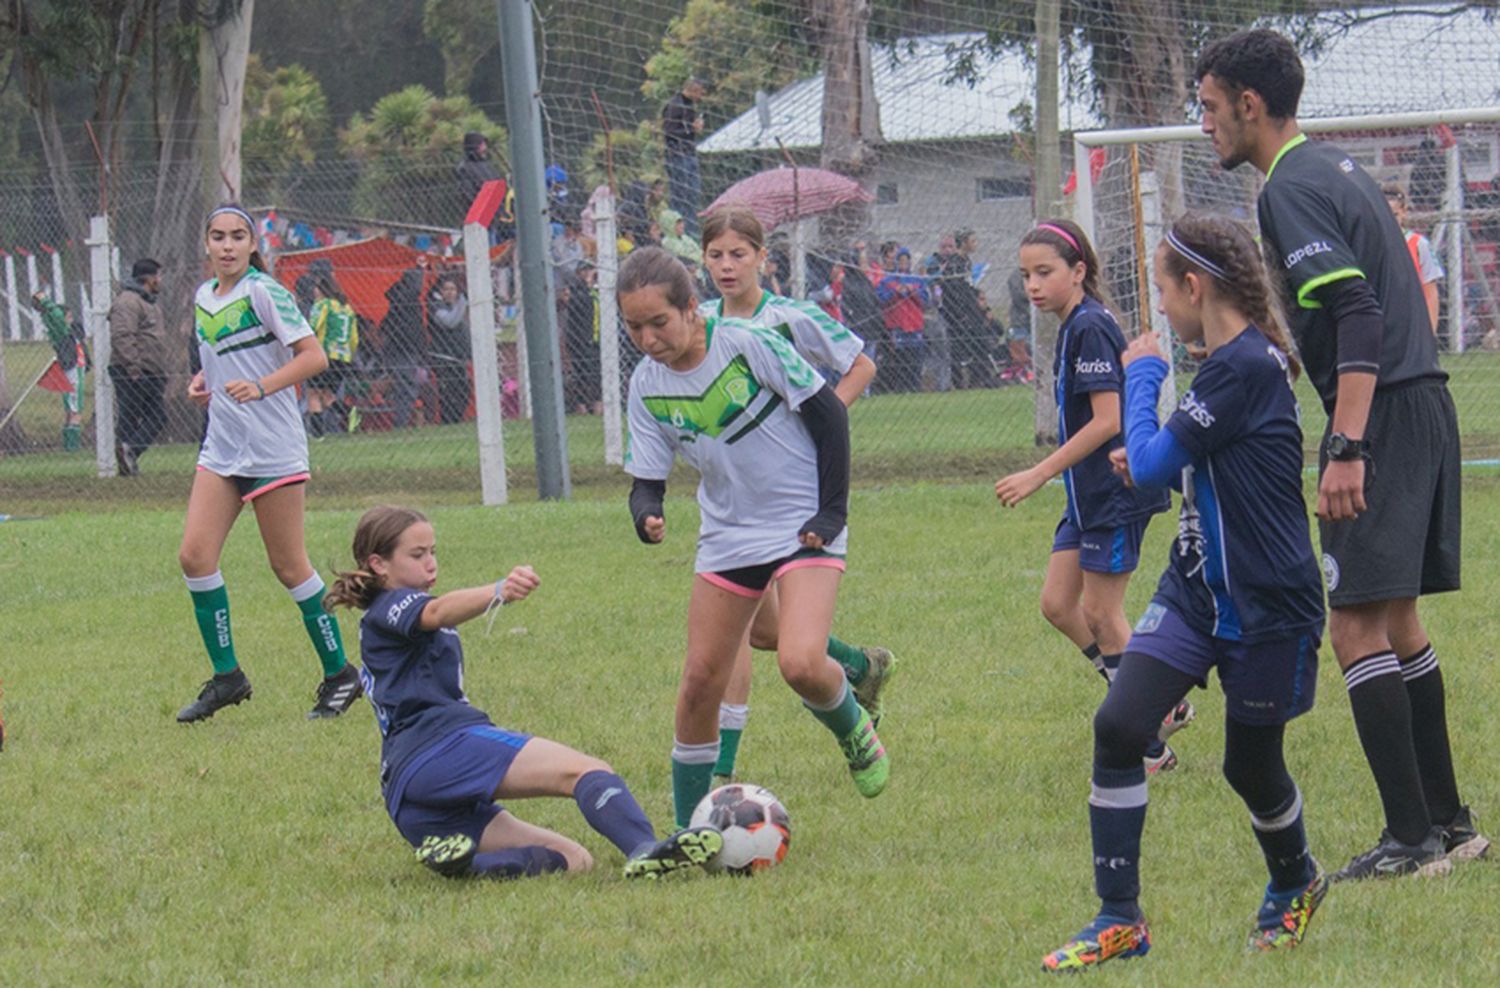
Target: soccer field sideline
{"x":222,"y":853}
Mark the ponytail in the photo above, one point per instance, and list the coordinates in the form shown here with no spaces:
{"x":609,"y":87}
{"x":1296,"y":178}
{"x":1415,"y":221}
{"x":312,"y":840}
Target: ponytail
{"x":376,"y":534}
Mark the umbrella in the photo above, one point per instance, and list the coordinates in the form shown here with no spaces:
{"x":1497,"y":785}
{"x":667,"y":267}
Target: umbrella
{"x":782,"y":194}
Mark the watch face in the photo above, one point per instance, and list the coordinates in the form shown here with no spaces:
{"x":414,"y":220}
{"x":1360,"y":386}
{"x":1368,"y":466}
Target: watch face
{"x":1337,"y":444}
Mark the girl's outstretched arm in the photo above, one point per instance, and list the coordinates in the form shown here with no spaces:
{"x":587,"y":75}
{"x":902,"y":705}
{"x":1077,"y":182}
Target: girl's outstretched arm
{"x":1100,"y":429}
{"x":457,"y":606}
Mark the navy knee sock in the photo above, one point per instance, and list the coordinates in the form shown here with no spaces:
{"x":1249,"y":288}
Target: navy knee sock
{"x":517,"y":862}
{"x":608,"y":806}
{"x":1117,"y":815}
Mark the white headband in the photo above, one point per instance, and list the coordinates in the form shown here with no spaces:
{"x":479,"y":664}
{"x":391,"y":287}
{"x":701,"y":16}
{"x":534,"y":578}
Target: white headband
{"x":1176,"y":244}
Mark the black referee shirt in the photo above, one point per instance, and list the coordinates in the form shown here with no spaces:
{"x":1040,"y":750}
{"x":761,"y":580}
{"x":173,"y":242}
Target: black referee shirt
{"x":1325,"y":219}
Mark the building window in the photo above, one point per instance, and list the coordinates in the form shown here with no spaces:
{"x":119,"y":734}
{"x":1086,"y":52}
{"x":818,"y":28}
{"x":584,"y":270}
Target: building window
{"x":886,"y":194}
{"x":991,"y":189}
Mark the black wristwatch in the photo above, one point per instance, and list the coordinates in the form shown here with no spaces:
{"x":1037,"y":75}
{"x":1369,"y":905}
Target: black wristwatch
{"x":1340,"y":447}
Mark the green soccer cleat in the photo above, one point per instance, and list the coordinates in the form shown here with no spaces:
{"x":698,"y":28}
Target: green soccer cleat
{"x":449,"y":855}
{"x":1105,"y":939}
{"x":882,"y":669}
{"x":692,"y":847}
{"x":1282,"y":921}
{"x":868,"y":762}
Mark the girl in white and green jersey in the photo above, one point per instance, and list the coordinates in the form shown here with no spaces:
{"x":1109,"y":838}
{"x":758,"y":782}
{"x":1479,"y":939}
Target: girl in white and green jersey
{"x":770,"y":441}
{"x":256,"y":348}
{"x":734,"y":249}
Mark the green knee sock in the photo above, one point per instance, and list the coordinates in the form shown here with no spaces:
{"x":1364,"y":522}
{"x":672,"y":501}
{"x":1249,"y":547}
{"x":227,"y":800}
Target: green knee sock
{"x":692,"y":774}
{"x":321,"y":626}
{"x":729,"y":749}
{"x":211,"y":608}
{"x":732,"y":717}
{"x":72,"y":436}
{"x":842,"y":717}
{"x":851,"y":657}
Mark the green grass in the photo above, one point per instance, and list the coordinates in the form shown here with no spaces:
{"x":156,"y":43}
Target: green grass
{"x":898,"y":438}
{"x":254,"y":849}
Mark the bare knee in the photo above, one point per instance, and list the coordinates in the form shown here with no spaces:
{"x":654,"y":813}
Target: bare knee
{"x":581,"y":766}
{"x":1358,"y":631}
{"x":700,"y":687}
{"x":1057,"y":609}
{"x":291,"y":573}
{"x":803,"y":669}
{"x":576,"y":855}
{"x":195,"y":560}
{"x":763,"y":639}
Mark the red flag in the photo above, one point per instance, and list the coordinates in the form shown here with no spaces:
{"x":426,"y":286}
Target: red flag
{"x":55,"y":379}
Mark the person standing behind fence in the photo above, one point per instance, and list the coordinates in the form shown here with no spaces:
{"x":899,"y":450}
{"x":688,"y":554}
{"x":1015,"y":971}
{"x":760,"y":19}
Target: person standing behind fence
{"x":1389,"y":482}
{"x":473,"y":170}
{"x":681,"y":123}
{"x":256,"y":348}
{"x":337,"y":329}
{"x":1423,"y":257}
{"x":904,"y":298}
{"x":138,"y":364}
{"x":72,"y":358}
{"x":404,"y":345}
{"x":449,"y":313}
{"x":970,"y":339}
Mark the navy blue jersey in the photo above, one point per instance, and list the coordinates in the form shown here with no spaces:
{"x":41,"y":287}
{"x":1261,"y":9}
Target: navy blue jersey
{"x":1089,"y":345}
{"x":1243,"y":566}
{"x":414,"y":679}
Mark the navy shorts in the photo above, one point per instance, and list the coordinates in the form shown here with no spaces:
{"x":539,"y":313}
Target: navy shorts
{"x":1265,"y":683}
{"x":1102,"y":550}
{"x":451,"y":789}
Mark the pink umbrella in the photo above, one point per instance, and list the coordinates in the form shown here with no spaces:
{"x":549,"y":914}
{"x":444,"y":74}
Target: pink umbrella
{"x":782,"y":194}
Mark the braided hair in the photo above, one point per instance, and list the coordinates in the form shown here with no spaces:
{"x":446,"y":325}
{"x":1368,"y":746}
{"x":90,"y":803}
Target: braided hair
{"x":377,"y":533}
{"x":1241,"y":279}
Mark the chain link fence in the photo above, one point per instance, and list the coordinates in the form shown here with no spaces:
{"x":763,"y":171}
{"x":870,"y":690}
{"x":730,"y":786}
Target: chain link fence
{"x":928,"y":108}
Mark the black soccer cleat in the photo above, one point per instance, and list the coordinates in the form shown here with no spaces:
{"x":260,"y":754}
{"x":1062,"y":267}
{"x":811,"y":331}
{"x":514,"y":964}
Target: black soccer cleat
{"x":1462,"y":840}
{"x":692,"y":847}
{"x":337,"y":692}
{"x":224,"y":690}
{"x":1391,"y":859}
{"x":449,"y":856}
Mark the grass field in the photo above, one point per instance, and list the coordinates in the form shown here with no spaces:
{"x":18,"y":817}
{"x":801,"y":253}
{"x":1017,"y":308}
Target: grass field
{"x":951,"y":437}
{"x":254,"y":849}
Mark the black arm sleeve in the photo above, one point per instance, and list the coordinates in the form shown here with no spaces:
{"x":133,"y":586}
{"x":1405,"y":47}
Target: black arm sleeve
{"x":1361,"y":325}
{"x":645,"y":502}
{"x":828,"y":422}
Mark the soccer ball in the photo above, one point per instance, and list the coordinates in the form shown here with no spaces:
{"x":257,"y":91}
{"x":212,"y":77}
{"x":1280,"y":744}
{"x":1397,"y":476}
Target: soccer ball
{"x":756,"y":828}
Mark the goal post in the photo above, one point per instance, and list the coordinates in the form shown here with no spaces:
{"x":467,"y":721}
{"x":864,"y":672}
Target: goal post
{"x":1130,"y":181}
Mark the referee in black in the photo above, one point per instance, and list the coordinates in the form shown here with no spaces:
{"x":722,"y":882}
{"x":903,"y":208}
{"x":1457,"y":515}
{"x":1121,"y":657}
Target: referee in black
{"x":1388,"y":487}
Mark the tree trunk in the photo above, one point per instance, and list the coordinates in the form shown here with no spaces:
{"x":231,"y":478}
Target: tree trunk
{"x":224,"y":52}
{"x":850,"y":117}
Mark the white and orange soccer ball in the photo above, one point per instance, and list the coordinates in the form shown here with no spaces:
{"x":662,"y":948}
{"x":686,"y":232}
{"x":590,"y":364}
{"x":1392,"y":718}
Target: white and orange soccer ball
{"x":756,"y":828}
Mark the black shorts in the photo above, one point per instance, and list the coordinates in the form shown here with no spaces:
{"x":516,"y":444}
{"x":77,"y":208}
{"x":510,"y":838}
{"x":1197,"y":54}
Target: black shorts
{"x":1406,"y":543}
{"x":751,"y":581}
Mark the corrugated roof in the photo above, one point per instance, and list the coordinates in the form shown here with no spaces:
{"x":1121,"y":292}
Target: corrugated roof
{"x":1407,"y":62}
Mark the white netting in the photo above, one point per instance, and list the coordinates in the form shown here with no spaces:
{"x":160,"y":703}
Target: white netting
{"x":929,"y":106}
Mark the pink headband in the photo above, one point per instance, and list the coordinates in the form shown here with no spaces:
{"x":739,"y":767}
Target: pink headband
{"x":1061,"y":233}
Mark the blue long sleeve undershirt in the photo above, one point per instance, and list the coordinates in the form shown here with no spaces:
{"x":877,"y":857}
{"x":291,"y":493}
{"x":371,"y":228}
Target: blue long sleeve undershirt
{"x":1156,"y":456}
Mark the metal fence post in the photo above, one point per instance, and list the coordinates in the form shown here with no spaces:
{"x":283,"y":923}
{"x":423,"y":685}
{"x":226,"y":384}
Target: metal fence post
{"x":543,"y":355}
